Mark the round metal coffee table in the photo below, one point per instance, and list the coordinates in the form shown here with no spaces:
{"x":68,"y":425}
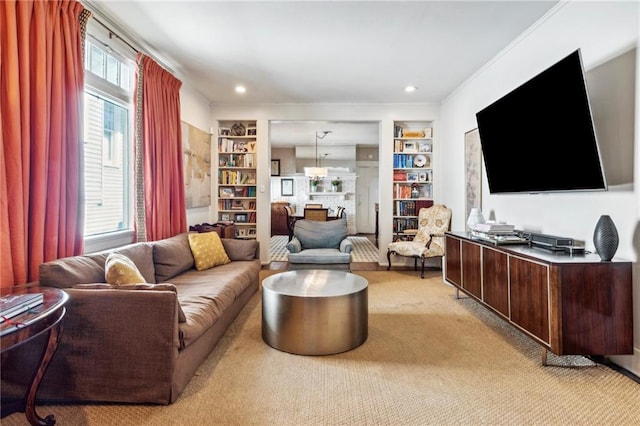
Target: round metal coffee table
{"x":314,"y":312}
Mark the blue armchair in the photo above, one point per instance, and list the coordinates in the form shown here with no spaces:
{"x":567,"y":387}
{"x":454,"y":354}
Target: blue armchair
{"x":320,"y":245}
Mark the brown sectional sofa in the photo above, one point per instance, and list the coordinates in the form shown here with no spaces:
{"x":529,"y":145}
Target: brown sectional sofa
{"x":129,"y":345}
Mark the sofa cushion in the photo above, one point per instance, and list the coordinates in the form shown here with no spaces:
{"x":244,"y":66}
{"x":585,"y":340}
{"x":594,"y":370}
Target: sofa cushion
{"x":142,"y":255}
{"x":207,"y":250}
{"x":314,"y":234}
{"x":172,"y":256}
{"x":120,"y":270}
{"x":89,"y":268}
{"x":206,"y":295}
{"x":155,"y":287}
{"x":320,"y":256}
{"x":67,"y":272}
{"x":240,"y":249}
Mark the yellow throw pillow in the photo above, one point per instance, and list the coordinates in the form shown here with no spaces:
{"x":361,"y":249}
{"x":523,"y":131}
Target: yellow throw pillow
{"x":119,"y":270}
{"x":207,"y":250}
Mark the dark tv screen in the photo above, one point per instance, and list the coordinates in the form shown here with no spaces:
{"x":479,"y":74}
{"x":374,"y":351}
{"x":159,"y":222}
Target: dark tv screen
{"x":540,"y":137}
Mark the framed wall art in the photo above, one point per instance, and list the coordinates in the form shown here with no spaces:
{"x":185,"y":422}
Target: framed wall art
{"x":286,"y":187}
{"x":275,"y":167}
{"x":196,"y":165}
{"x":472,"y":171}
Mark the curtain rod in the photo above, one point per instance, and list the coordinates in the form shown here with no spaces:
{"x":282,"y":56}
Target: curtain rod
{"x":114,"y":34}
{"x":101,"y":17}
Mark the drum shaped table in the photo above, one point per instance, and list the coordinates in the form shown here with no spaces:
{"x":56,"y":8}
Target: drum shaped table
{"x":314,"y":312}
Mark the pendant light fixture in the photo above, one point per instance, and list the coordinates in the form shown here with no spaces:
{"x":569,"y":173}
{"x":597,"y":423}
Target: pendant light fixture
{"x":317,"y":171}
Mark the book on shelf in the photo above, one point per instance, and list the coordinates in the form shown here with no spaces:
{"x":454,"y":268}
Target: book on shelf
{"x":15,"y":304}
{"x":399,"y":175}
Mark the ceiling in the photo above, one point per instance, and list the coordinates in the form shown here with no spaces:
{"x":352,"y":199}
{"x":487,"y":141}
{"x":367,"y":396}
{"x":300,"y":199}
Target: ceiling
{"x":324,"y":51}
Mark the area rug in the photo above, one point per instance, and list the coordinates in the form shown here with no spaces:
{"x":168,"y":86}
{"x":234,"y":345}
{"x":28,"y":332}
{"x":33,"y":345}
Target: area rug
{"x":363,"y":249}
{"x":430,"y":359}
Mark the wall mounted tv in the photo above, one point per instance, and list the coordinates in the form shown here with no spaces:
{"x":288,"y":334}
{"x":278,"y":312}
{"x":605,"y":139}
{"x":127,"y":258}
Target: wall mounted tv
{"x":540,"y":137}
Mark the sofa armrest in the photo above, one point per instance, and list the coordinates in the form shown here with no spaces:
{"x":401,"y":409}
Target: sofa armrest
{"x":132,"y":337}
{"x":294,"y":246}
{"x":346,"y":246}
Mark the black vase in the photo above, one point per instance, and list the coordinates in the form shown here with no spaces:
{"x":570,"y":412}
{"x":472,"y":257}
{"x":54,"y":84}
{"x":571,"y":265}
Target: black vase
{"x":605,"y":238}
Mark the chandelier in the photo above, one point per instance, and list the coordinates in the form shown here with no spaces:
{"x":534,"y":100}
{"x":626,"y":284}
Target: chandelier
{"x":317,"y":171}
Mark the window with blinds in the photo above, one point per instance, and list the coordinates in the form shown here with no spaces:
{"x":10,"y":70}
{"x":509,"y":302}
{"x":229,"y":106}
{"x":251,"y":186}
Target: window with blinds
{"x":108,"y":141}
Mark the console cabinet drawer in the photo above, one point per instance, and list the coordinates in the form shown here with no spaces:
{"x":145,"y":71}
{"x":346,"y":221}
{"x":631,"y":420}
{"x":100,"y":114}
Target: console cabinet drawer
{"x":495,"y":280}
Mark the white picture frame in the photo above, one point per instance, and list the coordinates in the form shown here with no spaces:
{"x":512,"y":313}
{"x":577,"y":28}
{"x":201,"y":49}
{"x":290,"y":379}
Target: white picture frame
{"x":409,"y":146}
{"x":424,"y":146}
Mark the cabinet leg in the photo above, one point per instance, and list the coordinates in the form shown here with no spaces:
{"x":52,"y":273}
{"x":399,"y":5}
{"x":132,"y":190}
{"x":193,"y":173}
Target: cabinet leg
{"x":544,"y":357}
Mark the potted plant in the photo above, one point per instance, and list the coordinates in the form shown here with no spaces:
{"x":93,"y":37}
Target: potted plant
{"x":314,"y":183}
{"x":335,"y":184}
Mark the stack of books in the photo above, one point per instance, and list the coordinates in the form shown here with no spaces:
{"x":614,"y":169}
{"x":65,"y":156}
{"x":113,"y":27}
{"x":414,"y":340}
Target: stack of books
{"x":493,"y":227}
{"x":15,"y":304}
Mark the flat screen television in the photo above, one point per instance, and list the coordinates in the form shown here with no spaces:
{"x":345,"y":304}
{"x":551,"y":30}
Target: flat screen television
{"x":540,"y":137}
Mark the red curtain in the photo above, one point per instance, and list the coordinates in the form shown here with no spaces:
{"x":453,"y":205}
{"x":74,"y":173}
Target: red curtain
{"x":41,"y":169}
{"x":164,"y":196}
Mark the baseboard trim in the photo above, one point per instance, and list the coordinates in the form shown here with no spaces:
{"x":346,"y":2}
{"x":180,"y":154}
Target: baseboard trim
{"x":612,"y":365}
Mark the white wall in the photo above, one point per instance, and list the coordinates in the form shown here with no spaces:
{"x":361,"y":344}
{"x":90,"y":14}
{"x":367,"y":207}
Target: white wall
{"x":602,"y":30}
{"x":385,"y":114}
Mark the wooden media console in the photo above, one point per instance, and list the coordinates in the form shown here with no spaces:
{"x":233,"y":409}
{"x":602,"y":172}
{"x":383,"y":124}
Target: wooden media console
{"x":569,"y":304}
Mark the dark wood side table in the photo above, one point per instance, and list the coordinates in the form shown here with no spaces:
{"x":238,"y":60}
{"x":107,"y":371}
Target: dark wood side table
{"x":279,"y":218}
{"x":45,"y":318}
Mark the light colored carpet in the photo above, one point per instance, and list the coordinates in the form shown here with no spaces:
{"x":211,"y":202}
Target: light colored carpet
{"x":429,"y":360}
{"x":363,"y":249}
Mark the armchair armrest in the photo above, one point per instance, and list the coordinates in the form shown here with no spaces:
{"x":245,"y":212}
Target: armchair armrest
{"x":346,"y":246}
{"x":294,"y":246}
{"x":431,"y":237}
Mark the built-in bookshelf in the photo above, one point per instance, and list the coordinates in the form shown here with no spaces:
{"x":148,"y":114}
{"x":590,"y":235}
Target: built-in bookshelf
{"x":237,"y":176}
{"x":412,"y":175}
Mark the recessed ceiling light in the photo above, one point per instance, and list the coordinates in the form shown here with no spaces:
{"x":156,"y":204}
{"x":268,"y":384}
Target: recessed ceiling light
{"x":241,"y":89}
{"x":410,"y":89}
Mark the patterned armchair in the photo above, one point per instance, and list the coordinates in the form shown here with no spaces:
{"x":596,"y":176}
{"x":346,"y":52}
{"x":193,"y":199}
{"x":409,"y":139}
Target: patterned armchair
{"x":433,"y":222}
